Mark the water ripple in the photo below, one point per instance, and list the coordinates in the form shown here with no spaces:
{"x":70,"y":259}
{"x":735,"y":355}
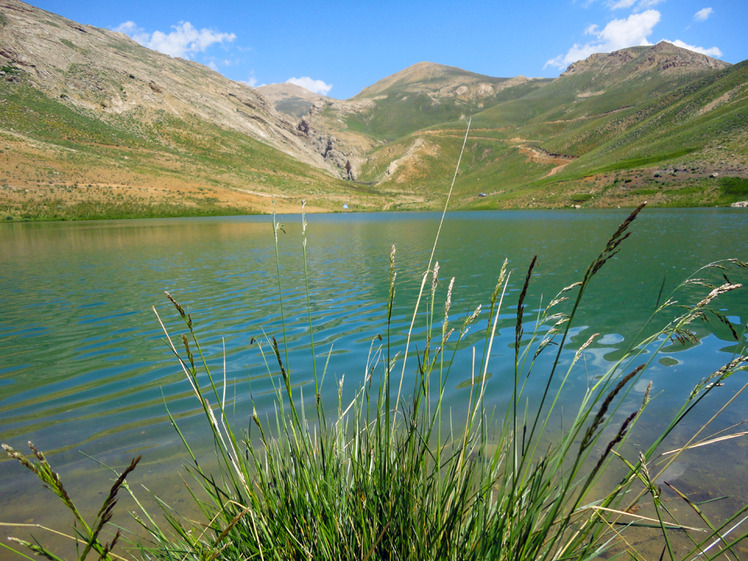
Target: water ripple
{"x":85,"y":364}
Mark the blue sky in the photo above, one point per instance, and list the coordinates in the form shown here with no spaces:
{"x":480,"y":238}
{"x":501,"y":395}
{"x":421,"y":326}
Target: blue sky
{"x":338,"y":48}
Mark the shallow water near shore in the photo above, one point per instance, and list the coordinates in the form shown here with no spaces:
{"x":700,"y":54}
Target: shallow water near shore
{"x":85,"y":371}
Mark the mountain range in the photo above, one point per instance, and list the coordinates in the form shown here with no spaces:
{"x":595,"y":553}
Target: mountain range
{"x":93,"y":125}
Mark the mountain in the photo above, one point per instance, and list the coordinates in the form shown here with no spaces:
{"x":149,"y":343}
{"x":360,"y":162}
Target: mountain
{"x":655,"y":123}
{"x":106,"y":74}
{"x":426,"y":94}
{"x":439,"y":82}
{"x":94,"y":125}
{"x":658,"y":123}
{"x":626,"y":64}
{"x":419,"y":96}
{"x":322,"y":121}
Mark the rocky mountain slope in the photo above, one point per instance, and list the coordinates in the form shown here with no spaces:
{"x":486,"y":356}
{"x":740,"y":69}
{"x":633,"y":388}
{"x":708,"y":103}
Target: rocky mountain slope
{"x":94,"y":125}
{"x":107,"y":73}
{"x":292,"y":99}
{"x":64,"y":84}
{"x":628,"y":63}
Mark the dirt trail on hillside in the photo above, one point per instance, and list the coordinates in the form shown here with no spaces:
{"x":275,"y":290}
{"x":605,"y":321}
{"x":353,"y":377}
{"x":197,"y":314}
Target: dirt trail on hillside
{"x":526,"y":147}
{"x":541,"y":156}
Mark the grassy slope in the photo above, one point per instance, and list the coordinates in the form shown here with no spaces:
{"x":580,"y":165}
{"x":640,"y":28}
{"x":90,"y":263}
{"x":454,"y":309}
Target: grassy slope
{"x":61,"y":163}
{"x":590,"y":138}
{"x":693,"y":128}
{"x":609,"y":135}
{"x":399,"y":112}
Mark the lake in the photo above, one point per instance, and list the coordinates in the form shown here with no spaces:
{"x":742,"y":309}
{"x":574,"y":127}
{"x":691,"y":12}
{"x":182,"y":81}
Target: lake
{"x":86,"y":374}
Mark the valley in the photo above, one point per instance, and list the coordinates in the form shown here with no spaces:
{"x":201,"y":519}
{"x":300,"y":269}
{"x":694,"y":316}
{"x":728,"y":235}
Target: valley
{"x":93,"y":125}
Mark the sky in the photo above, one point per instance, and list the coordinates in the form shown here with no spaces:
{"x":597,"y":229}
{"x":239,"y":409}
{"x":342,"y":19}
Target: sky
{"x":338,"y":48}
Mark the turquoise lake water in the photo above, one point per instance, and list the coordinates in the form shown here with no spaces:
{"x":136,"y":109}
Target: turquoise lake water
{"x":85,"y":371}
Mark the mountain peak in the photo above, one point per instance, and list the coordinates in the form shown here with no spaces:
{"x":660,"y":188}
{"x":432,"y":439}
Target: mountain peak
{"x":438,"y":81}
{"x":419,"y":72}
{"x":664,"y":56}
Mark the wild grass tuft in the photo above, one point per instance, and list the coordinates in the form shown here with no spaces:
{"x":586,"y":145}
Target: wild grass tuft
{"x":87,"y":535}
{"x":392,"y":475}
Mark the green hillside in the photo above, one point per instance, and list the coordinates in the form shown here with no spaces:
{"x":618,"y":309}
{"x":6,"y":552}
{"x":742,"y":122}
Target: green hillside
{"x":75,"y":165}
{"x":428,"y":94}
{"x":97,"y":126}
{"x":595,"y":136}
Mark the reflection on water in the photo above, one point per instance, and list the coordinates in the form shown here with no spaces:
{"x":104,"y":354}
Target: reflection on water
{"x":85,"y":368}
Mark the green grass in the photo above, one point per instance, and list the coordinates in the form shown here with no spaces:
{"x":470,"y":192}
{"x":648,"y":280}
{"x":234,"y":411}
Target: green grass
{"x":58,"y":209}
{"x":734,"y":186}
{"x":634,"y":137}
{"x":30,"y":112}
{"x":401,"y":111}
{"x":581,"y":197}
{"x":394,"y":474}
{"x":391,"y":475}
{"x":645,"y":161}
{"x":631,"y":123}
{"x":397,"y":117}
{"x":80,"y":146}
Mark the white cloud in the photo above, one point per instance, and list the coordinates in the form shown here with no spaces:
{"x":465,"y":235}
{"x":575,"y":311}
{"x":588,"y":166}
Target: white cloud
{"x":183,"y":41}
{"x":629,"y":32}
{"x":622,"y":4}
{"x":617,"y":34}
{"x":711,"y":51}
{"x":703,"y":14}
{"x":127,"y":27}
{"x":316,"y":86}
{"x":644,"y":4}
{"x":637,"y":5}
{"x":136,"y":33}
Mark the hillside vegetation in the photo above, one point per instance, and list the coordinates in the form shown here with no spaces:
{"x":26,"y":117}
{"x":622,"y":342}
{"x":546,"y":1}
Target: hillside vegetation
{"x":92,"y":125}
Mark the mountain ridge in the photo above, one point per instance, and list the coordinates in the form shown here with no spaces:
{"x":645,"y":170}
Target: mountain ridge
{"x":446,"y":80}
{"x":663,"y":56}
{"x":95,"y":125}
